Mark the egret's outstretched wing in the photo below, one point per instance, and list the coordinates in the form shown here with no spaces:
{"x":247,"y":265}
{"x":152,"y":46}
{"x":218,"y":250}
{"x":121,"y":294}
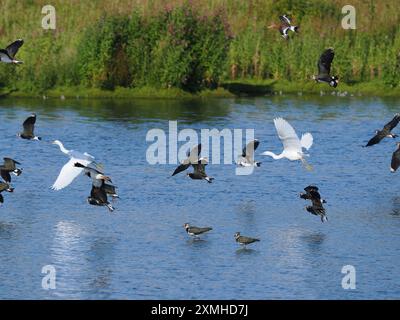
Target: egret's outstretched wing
{"x":68,"y":173}
{"x":288,"y":136}
{"x":306,"y":140}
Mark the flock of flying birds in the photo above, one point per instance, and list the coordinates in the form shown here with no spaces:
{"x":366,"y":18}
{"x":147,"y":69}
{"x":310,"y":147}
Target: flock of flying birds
{"x":102,"y":186}
{"x":78,"y":163}
{"x":292,"y":150}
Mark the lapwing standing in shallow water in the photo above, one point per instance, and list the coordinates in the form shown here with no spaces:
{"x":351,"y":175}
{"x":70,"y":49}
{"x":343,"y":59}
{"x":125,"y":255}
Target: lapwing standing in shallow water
{"x":246,"y":159}
{"x":317,"y":207}
{"x":195,"y":231}
{"x":4,"y":187}
{"x":9,"y":166}
{"x":385,"y":132}
{"x":244,"y":241}
{"x":29,"y":129}
{"x":7,"y":55}
{"x":395,"y":164}
{"x":324,"y":69}
{"x":285,"y":26}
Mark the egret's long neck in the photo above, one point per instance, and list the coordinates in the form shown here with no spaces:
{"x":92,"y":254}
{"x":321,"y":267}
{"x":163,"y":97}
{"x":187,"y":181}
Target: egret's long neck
{"x":62,"y":147}
{"x":273,"y":155}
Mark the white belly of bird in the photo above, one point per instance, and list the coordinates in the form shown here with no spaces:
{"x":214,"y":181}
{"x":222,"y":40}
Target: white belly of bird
{"x":4,"y":58}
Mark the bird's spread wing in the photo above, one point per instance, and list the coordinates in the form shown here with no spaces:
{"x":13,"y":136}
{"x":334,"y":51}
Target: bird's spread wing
{"x":288,"y":136}
{"x":374,"y":140}
{"x":325,"y":61}
{"x":68,"y":173}
{"x":306,"y":140}
{"x":10,"y":163}
{"x":285,"y":20}
{"x":248,"y":151}
{"x":311,"y":188}
{"x":395,"y":164}
{"x":13,"y":48}
{"x":393,"y":123}
{"x":5,"y":175}
{"x":180,"y":168}
{"x":99,"y":194}
{"x":194,"y":154}
{"x":3,"y":186}
{"x":29,"y":125}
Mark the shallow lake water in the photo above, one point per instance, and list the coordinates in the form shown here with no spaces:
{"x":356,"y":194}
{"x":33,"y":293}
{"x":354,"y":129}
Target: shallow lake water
{"x":143,"y":252}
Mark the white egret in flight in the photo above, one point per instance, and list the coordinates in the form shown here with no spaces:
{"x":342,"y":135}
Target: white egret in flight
{"x":292,"y":145}
{"x":69,"y":172}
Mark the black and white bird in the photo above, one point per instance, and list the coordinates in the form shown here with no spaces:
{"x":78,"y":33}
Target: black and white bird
{"x":199,"y":172}
{"x":324,"y":69}
{"x":395,"y":164}
{"x":111,"y":190}
{"x":193,"y":156}
{"x":100,"y":189}
{"x":95,"y":174}
{"x":29,"y":129}
{"x":9,"y":166}
{"x":246,"y":159}
{"x":98,"y":197}
{"x":99,"y":179}
{"x":195,"y":231}
{"x":7,"y":55}
{"x":285,"y":26}
{"x":385,"y":132}
{"x":244,"y":240}
{"x":311,"y":192}
{"x":4,"y":187}
{"x":317,"y":207}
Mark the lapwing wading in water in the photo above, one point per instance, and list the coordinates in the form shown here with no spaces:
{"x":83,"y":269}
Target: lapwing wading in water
{"x":285,"y":26}
{"x":244,"y":241}
{"x":246,"y":159}
{"x":9,"y":166}
{"x":386,"y":132}
{"x":316,"y":208}
{"x":324,"y":69}
{"x":69,"y":171}
{"x":4,"y":187}
{"x":28,"y":132}
{"x":395,"y":164}
{"x":195,"y":231}
{"x":7,"y":55}
{"x":292,"y":145}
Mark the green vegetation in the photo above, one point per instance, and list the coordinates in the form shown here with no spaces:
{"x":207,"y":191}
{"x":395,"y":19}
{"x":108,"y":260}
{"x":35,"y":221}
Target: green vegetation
{"x":127,"y":48}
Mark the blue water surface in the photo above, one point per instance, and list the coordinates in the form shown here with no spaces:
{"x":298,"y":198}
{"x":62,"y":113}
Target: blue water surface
{"x":143,"y":252}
